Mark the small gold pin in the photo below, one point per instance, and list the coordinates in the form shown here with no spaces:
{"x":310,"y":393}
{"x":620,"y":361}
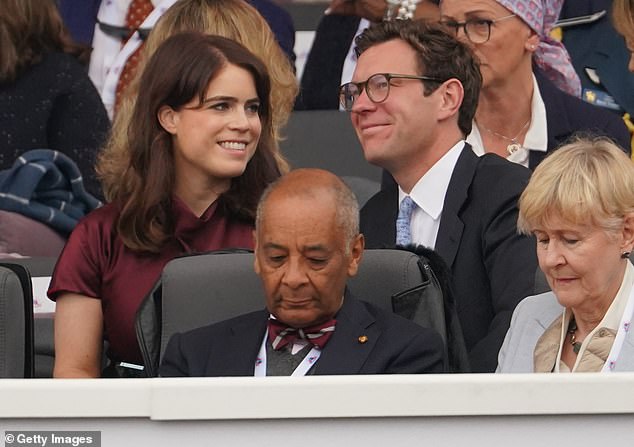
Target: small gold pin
{"x":363,"y":339}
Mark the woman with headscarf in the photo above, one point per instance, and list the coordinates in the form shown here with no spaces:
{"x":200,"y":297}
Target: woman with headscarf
{"x":579,"y":204}
{"x":529,"y":99}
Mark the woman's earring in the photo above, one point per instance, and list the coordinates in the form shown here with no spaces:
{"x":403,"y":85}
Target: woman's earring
{"x":625,"y":254}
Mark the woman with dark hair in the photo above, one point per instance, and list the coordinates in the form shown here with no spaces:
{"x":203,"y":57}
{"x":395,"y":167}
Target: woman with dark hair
{"x":200,"y":139}
{"x":228,"y":18}
{"x":46,"y":98}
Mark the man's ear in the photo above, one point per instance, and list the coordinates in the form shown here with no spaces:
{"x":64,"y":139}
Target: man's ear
{"x":256,"y":262}
{"x":452,"y":96}
{"x":168,"y":118}
{"x":356,"y":254}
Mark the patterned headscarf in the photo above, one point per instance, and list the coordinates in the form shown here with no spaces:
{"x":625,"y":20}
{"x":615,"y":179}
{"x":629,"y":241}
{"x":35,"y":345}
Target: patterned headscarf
{"x":550,"y":56}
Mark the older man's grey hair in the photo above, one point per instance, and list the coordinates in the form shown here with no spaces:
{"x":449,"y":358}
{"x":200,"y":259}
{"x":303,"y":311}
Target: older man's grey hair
{"x":344,"y":200}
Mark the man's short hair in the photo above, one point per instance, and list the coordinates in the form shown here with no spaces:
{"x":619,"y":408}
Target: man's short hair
{"x":344,"y":201}
{"x":440,"y":55}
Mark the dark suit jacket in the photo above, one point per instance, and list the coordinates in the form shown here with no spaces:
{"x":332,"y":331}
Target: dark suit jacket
{"x":492,"y":267}
{"x":395,"y":346}
{"x":566,"y":114}
{"x":597,"y":45}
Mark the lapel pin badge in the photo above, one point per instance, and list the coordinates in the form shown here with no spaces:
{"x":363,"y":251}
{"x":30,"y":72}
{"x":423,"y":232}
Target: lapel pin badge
{"x":363,"y":338}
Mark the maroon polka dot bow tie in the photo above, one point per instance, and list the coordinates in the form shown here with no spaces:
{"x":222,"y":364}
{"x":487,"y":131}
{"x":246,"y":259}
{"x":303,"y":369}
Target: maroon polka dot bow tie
{"x":281,"y":334}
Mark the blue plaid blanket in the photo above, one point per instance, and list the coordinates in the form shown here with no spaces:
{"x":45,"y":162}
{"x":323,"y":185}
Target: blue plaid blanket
{"x":47,"y":186}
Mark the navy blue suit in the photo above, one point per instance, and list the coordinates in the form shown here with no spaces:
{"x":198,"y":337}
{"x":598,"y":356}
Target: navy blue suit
{"x":566,"y":114}
{"x":394,"y":346}
{"x":597,"y":45}
{"x":492,"y":267}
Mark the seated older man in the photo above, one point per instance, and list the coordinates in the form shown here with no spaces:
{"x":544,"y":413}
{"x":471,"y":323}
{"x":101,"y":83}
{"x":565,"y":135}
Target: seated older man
{"x":307,"y":244}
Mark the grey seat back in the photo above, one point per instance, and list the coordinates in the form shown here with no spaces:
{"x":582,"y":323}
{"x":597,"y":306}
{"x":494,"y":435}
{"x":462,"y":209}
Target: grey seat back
{"x":43,"y":324}
{"x":16,"y":322}
{"x":198,"y":290}
{"x":325,"y":139}
{"x":205,"y":289}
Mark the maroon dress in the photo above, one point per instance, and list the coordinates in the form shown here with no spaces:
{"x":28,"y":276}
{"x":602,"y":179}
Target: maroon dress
{"x":95,"y":263}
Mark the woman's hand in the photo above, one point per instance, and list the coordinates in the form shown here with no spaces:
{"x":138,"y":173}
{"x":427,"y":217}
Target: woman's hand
{"x":78,"y":336}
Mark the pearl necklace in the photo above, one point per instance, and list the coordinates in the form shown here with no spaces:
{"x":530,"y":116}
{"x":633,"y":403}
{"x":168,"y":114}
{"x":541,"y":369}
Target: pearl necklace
{"x":514,"y":144}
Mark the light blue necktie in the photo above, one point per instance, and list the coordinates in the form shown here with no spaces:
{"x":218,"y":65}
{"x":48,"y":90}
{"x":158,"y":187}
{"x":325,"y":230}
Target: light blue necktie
{"x":403,"y":232}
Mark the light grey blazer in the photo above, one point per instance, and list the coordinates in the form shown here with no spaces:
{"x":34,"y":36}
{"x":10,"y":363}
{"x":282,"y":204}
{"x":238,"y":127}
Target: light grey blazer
{"x":532,"y":316}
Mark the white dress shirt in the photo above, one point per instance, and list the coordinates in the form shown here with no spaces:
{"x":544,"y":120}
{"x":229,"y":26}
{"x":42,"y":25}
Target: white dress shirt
{"x":429,"y":195}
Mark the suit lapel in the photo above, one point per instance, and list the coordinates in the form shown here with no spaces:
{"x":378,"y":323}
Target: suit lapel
{"x":236,"y":357}
{"x":451,"y":226}
{"x":345,"y":353}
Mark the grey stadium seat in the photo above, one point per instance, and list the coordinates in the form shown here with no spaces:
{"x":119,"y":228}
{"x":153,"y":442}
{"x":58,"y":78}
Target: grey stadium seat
{"x":199,"y":290}
{"x":16,"y":322}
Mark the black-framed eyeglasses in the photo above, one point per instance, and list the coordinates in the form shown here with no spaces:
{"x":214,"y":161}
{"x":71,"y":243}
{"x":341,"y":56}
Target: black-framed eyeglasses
{"x":476,"y":30}
{"x":376,"y":86}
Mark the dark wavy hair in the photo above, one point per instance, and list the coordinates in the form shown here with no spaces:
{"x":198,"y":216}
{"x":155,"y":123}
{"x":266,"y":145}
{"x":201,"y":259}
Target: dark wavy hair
{"x":28,"y":30}
{"x":180,"y":70}
{"x":440,"y":55}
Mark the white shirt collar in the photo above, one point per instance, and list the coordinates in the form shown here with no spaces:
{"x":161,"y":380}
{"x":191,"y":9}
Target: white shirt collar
{"x":430,"y":190}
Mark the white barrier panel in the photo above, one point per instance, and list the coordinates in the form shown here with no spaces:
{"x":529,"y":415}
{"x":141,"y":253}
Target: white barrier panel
{"x":486,"y":410}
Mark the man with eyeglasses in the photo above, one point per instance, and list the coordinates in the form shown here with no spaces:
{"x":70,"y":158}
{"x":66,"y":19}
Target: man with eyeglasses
{"x":412,"y":101}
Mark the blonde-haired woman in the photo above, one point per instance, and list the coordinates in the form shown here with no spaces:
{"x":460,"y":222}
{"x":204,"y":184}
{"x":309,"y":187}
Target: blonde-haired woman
{"x":579,"y":204}
{"x":234,"y":19}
